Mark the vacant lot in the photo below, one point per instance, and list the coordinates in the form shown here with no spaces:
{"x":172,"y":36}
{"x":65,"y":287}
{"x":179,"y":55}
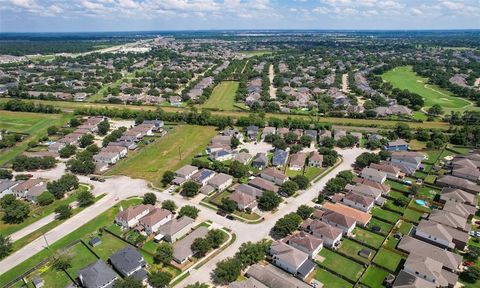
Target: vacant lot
{"x":33,"y":124}
{"x":404,"y":78}
{"x":170,"y":152}
{"x":223,"y":96}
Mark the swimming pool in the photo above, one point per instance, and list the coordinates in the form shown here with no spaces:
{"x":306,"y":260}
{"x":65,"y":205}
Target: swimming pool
{"x":421,"y":202}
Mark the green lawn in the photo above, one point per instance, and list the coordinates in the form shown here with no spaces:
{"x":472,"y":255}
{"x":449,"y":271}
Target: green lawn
{"x":330,"y":280}
{"x":312,"y":172}
{"x":81,"y":257}
{"x":391,"y":205}
{"x":352,"y":248}
{"x":170,"y":152}
{"x":223,"y":96}
{"x":388,"y":216}
{"x":405,"y":227}
{"x":428,"y":192}
{"x":374,"y":277}
{"x":430,"y":179}
{"x":384,"y":226}
{"x":33,"y":124}
{"x":52,"y":277}
{"x":102,"y":220}
{"x":404,"y":78}
{"x":343,"y":266}
{"x":412,"y":215}
{"x":395,"y":194}
{"x":110,"y":244}
{"x":397,"y":186}
{"x":368,"y":237}
{"x":217,"y":198}
{"x":387,"y":259}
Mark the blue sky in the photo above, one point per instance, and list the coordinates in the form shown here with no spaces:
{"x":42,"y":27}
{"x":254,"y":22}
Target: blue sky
{"x":135,"y":15}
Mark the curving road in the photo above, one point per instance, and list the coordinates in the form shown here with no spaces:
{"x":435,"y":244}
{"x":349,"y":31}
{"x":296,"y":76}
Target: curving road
{"x":121,"y":187}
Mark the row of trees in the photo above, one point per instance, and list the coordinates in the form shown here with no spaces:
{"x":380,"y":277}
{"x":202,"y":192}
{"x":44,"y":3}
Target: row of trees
{"x":25,"y":163}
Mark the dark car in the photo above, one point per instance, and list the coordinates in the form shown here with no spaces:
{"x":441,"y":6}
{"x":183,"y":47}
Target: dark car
{"x":230,"y":217}
{"x":221,"y":213}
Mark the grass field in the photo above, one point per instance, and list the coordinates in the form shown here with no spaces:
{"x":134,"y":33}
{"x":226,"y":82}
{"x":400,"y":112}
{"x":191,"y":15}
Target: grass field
{"x":352,"y":249}
{"x":374,"y":277}
{"x":330,"y":280}
{"x":404,"y":78}
{"x":387,"y":259}
{"x":385,"y":215}
{"x":33,"y":124}
{"x":223,"y":96}
{"x":368,"y":237}
{"x":81,"y":257}
{"x":384,"y":226}
{"x":110,"y":244}
{"x":171,"y":152}
{"x":342,"y":265}
{"x":257,"y":52}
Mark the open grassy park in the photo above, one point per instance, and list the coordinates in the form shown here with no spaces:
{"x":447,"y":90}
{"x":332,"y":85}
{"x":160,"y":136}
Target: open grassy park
{"x":223,"y":96}
{"x":33,"y":124}
{"x":172,"y":151}
{"x":404,"y":78}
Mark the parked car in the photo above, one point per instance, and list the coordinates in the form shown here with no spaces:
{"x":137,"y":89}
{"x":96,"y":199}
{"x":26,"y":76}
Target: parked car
{"x":230,"y":217}
{"x":221,"y":213}
{"x":95,"y":178}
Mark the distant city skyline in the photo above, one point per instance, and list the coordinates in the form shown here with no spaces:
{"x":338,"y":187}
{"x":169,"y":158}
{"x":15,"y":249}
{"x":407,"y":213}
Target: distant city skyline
{"x":153,"y":15}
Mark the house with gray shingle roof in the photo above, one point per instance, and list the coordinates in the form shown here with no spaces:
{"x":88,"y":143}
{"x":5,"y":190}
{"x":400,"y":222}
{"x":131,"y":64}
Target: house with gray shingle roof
{"x":182,"y":250}
{"x":291,"y":259}
{"x":127,"y":261}
{"x":97,"y":275}
{"x":175,"y":228}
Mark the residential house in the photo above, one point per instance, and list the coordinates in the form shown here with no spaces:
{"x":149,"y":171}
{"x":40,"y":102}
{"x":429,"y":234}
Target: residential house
{"x":129,"y":262}
{"x":185,"y":173}
{"x":106,"y":157}
{"x":282,"y":131}
{"x":441,"y":235}
{"x":242,"y":157}
{"x":221,"y":155}
{"x":315,"y":159}
{"x":247,"y":189}
{"x":97,"y":275}
{"x":274,"y":175}
{"x":426,"y":268}
{"x":335,"y":219}
{"x":450,"y":260}
{"x":391,"y":171}
{"x":203,"y":176}
{"x":291,"y":259}
{"x":384,"y":188}
{"x":459,"y":196}
{"x":397,"y":145}
{"x":360,"y":217}
{"x":459,"y":183}
{"x":408,"y":162}
{"x":338,"y":134}
{"x":268,"y":131}
{"x":131,"y":216}
{"x":297,"y":161}
{"x":121,"y":151}
{"x":272,"y":276}
{"x":6,"y":187}
{"x":463,"y":210}
{"x":358,"y":201}
{"x":252,"y":132}
{"x":306,"y":243}
{"x":408,"y":280}
{"x":365,"y":190}
{"x":329,"y":234}
{"x":312,"y":134}
{"x":243,"y":200}
{"x":280,"y":158}
{"x":263,"y":184}
{"x":182,"y":250}
{"x":323,"y":135}
{"x":30,"y":189}
{"x":466,"y":167}
{"x":156,"y":218}
{"x":221,"y":181}
{"x":374,"y":175}
{"x":449,"y":219}
{"x":175,"y":229}
{"x":260,"y":161}
{"x":248,"y":283}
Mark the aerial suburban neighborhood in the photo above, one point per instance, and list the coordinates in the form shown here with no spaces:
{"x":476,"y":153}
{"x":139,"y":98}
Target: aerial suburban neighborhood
{"x":238,"y":158}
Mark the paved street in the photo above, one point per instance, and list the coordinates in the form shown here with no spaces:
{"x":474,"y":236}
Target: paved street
{"x":121,"y":187}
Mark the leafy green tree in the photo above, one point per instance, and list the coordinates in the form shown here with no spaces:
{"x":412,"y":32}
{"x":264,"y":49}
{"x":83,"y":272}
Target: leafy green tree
{"x":103,"y":127}
{"x":384,"y":155}
{"x":197,"y":285}
{"x":227,"y":271}
{"x":85,"y":198}
{"x":190,"y":189}
{"x":67,"y":151}
{"x":290,"y":138}
{"x":215,"y":237}
{"x":62,"y":261}
{"x":470,"y":275}
{"x":366,"y":158}
{"x":347,"y":175}
{"x":473,"y":253}
{"x":45,"y":198}
{"x":250,"y":253}
{"x":200,"y":247}
{"x":238,"y":170}
{"x":159,"y":279}
{"x":301,"y":181}
{"x":287,"y":224}
{"x":320,"y":198}
{"x":234,"y":142}
{"x":15,"y":212}
{"x":346,"y":141}
{"x":190,"y":211}
{"x":288,"y":188}
{"x":6,"y":174}
{"x":305,"y":140}
{"x":328,"y":142}
{"x":401,"y":201}
{"x":5,"y":246}
{"x":168,"y":177}
{"x":85,"y":140}
{"x":169,"y":205}
{"x":64,"y":211}
{"x":150,"y":198}
{"x":435,"y":110}
{"x":269,"y":201}
{"x":74,"y":122}
{"x":164,"y":253}
{"x":128,"y":282}
{"x":305,"y":211}
{"x":52,"y":130}
{"x":93,"y":149}
{"x":228,"y":205}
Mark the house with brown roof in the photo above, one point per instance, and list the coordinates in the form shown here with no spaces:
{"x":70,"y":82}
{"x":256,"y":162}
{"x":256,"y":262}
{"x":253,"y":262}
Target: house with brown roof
{"x":360,"y":217}
{"x":120,"y":150}
{"x":274,"y":175}
{"x":459,"y":196}
{"x":297,"y":161}
{"x":365,"y":190}
{"x":291,"y":259}
{"x":408,"y":280}
{"x":156,"y":218}
{"x":306,"y":243}
{"x":263,"y":184}
{"x":131,"y":216}
{"x":358,"y":201}
{"x":221,"y":181}
{"x":392,"y":172}
{"x":247,"y":189}
{"x":185,"y":173}
{"x":441,"y":235}
{"x":242,"y":157}
{"x":450,"y":260}
{"x":330,"y":235}
{"x":430,"y":270}
{"x":466,"y":168}
{"x":449,"y":219}
{"x":315,"y":159}
{"x":382,"y":187}
{"x":30,"y":189}
{"x":243,"y":200}
{"x":463,"y":210}
{"x":459,"y":183}
{"x":182,"y":249}
{"x":339,"y":220}
{"x":175,"y":229}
